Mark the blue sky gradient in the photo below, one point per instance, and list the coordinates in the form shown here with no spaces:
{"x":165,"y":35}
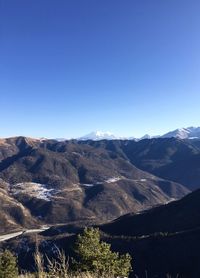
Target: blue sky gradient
{"x":68,"y":67}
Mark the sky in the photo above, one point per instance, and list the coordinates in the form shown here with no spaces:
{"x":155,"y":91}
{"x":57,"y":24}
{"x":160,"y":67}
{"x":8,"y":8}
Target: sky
{"x":69,"y":67}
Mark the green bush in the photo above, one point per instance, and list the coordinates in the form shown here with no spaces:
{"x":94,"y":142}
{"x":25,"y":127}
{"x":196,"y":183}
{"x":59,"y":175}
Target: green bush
{"x":8,"y":265}
{"x":96,"y":256}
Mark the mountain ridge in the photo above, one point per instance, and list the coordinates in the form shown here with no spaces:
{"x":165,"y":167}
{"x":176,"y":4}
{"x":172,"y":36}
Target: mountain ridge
{"x":76,"y":180}
{"x":181,"y":133}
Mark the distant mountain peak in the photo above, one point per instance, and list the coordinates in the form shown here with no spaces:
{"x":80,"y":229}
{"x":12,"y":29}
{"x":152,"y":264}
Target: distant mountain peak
{"x":146,"y":136}
{"x":184,"y":133}
{"x":99,"y":135}
{"x":180,"y":133}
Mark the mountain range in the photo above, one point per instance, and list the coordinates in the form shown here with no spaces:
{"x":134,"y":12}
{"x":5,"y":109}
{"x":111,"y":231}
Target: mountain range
{"x":144,"y":196}
{"x":181,"y":133}
{"x":48,"y":181}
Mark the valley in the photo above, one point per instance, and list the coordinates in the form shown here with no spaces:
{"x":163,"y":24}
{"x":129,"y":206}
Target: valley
{"x":140,"y":194}
{"x":49,"y":182}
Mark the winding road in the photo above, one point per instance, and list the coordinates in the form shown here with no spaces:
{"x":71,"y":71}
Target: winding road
{"x":16,"y":234}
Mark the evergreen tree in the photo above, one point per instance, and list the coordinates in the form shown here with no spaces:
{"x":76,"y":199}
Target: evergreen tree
{"x":8,"y":265}
{"x":97,"y":257}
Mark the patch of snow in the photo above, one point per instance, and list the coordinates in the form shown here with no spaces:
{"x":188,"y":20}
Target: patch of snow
{"x":37,"y":190}
{"x":110,"y":180}
{"x":113,"y":179}
{"x":140,"y":180}
{"x":73,"y":187}
{"x":88,"y":184}
{"x":92,"y":184}
{"x":170,"y":200}
{"x":61,"y":139}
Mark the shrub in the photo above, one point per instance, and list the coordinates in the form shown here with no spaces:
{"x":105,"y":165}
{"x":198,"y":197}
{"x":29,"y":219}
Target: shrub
{"x":8,"y":265}
{"x":96,"y":256}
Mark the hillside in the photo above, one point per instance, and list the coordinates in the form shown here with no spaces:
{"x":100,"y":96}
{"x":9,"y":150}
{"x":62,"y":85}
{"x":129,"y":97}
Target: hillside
{"x":13,"y":215}
{"x":58,"y":182}
{"x":169,"y":158}
{"x":162,"y":240}
{"x":177,"y":216}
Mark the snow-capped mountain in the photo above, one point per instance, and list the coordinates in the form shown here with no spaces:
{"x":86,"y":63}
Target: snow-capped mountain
{"x":184,"y":133}
{"x":181,"y":133}
{"x":146,"y":136}
{"x":99,"y":135}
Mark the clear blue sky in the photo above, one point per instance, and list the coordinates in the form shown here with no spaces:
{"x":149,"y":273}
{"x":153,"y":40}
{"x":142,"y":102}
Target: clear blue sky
{"x":68,"y":67}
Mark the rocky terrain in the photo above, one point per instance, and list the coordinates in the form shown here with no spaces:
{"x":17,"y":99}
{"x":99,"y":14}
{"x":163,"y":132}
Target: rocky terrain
{"x":67,"y":185}
{"x":162,"y":240}
{"x":50,"y":182}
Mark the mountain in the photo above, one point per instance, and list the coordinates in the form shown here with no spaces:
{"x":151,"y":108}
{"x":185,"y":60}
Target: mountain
{"x":146,"y":136}
{"x":181,"y":215}
{"x":184,"y":133}
{"x":13,"y":215}
{"x":99,"y":135}
{"x":94,"y":181}
{"x":90,"y":182}
{"x":169,"y":158}
{"x":58,"y":182}
{"x":161,"y":240}
{"x":181,"y":133}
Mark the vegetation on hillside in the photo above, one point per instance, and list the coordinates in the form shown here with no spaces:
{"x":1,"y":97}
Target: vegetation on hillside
{"x":94,"y":260}
{"x":96,"y":256}
{"x":8,"y":265}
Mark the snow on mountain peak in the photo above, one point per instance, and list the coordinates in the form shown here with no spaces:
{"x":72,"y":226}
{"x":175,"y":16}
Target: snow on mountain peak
{"x":184,"y":133}
{"x":180,"y":133}
{"x":99,"y":135}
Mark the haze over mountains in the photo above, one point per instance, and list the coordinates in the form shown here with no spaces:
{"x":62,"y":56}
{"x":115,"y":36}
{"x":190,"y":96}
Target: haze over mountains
{"x":181,"y":133}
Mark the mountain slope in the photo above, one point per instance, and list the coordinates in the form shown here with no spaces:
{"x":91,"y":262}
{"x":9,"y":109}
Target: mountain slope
{"x":68,"y":181}
{"x":177,"y":216}
{"x":169,"y":158}
{"x":164,"y":240}
{"x":13,"y":215}
{"x":161,"y":240}
{"x":184,"y":133}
